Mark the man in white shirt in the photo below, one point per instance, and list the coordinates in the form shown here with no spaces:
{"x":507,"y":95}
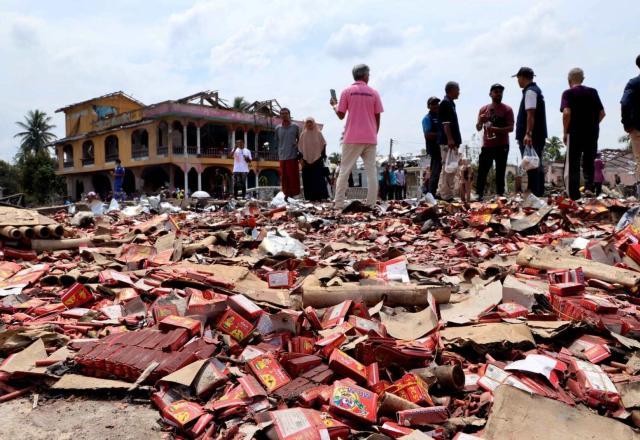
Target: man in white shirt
{"x":241,"y":160}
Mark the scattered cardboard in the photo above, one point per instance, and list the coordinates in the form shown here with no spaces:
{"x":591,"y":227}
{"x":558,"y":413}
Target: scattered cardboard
{"x":518,"y":415}
{"x":473,"y":305}
{"x":25,"y":360}
{"x":482,"y":337}
{"x":409,"y":326}
{"x":78,"y":382}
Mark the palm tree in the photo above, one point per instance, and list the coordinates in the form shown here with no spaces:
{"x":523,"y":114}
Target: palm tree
{"x":37,"y":133}
{"x":239,"y":104}
{"x":335,"y":158}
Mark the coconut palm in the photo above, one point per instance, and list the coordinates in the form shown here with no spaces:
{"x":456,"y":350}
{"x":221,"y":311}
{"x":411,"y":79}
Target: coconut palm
{"x":239,"y":104}
{"x":37,"y":133}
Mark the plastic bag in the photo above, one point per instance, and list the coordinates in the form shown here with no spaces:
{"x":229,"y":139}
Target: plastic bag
{"x":430,"y":199}
{"x":530,"y":159}
{"x":452,"y":162}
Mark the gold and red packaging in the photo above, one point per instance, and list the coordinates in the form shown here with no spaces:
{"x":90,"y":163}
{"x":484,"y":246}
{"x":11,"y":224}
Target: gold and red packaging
{"x":299,"y":365}
{"x":234,"y":396}
{"x":394,"y":430}
{"x":413,"y":388}
{"x":76,"y":295}
{"x":198,"y":428}
{"x":48,"y":308}
{"x":566,"y":276}
{"x":353,"y":401}
{"x":566,"y":289}
{"x":234,"y":325}
{"x":345,"y":365}
{"x":373,"y":375}
{"x":513,"y":310}
{"x":364,"y":326}
{"x":330,"y":343}
{"x":182,"y":413}
{"x":111,"y":277}
{"x":633,"y":251}
{"x":360,"y":309}
{"x":335,"y":315}
{"x":598,"y":304}
{"x":244,"y":306}
{"x":303,"y":424}
{"x":193,"y":326}
{"x":251,"y":386}
{"x":318,"y":394}
{"x":161,"y":311}
{"x":269,"y":372}
{"x":280,"y":279}
{"x":301,"y":344}
{"x":7,"y":269}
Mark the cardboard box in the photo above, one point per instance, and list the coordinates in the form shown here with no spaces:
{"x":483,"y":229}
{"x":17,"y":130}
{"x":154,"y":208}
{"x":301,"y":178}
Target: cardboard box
{"x":76,"y":295}
{"x":269,"y":372}
{"x":280,"y":279}
{"x":353,"y":401}
{"x":193,"y":326}
{"x":345,"y":365}
{"x":234,"y":325}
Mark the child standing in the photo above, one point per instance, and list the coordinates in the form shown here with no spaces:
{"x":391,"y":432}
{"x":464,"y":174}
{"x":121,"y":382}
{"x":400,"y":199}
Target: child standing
{"x":241,"y":160}
{"x":465,"y":177}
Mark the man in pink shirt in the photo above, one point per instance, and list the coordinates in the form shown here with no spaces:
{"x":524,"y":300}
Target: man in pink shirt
{"x":362,"y":106}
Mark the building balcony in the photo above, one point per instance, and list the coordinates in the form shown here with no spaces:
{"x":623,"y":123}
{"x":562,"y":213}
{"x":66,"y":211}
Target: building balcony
{"x":67,"y":164}
{"x":162,"y":151}
{"x":139,"y":151}
{"x":111,"y":157}
{"x":213,"y":152}
{"x":267,"y":155}
{"x":86,"y":161}
{"x":178,"y":149}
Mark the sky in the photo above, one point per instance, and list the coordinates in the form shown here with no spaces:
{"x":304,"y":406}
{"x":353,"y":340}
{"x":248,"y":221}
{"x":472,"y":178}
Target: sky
{"x":57,"y":53}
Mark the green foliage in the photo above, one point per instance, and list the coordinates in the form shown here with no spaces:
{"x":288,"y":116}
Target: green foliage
{"x":9,"y":177}
{"x":36,"y":133}
{"x":553,"y":150}
{"x":38,"y":179}
{"x":626,"y":141}
{"x":335,"y":158}
{"x":240,"y":104}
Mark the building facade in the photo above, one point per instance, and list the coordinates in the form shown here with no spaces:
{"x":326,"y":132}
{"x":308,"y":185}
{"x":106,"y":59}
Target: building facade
{"x":184,"y":143}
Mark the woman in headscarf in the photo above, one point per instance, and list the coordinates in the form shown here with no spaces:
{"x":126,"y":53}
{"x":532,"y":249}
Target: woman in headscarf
{"x":312,"y":146}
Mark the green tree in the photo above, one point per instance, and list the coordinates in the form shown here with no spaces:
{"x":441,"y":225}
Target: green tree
{"x":335,"y":158}
{"x":36,"y":134}
{"x":553,"y":150}
{"x":239,"y":104}
{"x":9,"y":178}
{"x":626,"y":141}
{"x":38,"y":180}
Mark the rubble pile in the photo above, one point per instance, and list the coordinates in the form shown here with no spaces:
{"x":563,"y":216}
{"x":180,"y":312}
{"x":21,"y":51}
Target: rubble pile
{"x":512,"y":319}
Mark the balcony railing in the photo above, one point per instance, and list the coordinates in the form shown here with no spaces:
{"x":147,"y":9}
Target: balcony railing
{"x":267,"y":155}
{"x":162,"y":151}
{"x":213,"y":152}
{"x":67,"y":164}
{"x":111,"y":157}
{"x":192,"y":150}
{"x":139,"y":151}
{"x":88,"y":161}
{"x":178,"y":149}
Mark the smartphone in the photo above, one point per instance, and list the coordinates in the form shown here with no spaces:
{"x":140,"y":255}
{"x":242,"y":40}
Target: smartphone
{"x":333,"y":95}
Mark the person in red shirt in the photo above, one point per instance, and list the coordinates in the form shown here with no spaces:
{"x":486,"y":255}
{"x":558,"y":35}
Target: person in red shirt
{"x":496,"y":119}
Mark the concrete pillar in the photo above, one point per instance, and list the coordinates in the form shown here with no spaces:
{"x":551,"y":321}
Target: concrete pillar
{"x":233,"y":140}
{"x":199,"y":181}
{"x":246,"y":134}
{"x":184,"y":137}
{"x":256,"y":147}
{"x":198,"y":139}
{"x":186,"y":182}
{"x":170,"y":139}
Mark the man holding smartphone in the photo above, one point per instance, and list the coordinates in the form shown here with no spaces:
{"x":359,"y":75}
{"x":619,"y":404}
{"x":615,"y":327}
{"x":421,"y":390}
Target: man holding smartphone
{"x":362,"y":106}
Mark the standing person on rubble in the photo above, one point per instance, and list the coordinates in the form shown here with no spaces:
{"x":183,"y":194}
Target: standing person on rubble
{"x":313,"y":147}
{"x":118,"y":180}
{"x":401,"y":179}
{"x":449,"y":137}
{"x":582,"y":112}
{"x":430,"y":128}
{"x":531,"y":126}
{"x":598,"y":174}
{"x":497,"y":121}
{"x":241,"y":160}
{"x":287,"y":135}
{"x":362,"y":106}
{"x":630,"y":107}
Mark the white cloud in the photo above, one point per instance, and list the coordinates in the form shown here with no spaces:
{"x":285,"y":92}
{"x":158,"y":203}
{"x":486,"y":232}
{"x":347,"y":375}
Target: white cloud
{"x":361,"y":39}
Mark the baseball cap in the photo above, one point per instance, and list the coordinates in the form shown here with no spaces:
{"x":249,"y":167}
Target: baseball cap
{"x":526,"y":72}
{"x":496,"y":86}
{"x":433,"y":100}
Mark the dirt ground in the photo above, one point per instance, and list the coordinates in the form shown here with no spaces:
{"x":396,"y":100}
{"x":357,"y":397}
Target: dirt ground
{"x":74,"y":418}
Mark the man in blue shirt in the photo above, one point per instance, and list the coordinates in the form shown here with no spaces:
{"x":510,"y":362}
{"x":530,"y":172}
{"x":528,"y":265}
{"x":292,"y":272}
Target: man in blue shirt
{"x":430,"y":128}
{"x":630,"y":106}
{"x":118,"y":180}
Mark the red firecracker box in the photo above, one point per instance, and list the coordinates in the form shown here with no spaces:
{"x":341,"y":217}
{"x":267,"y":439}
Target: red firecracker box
{"x":345,"y":365}
{"x":566,"y":289}
{"x":161,"y":311}
{"x":207,"y":303}
{"x":328,"y":344}
{"x":235,"y":325}
{"x":633,"y":251}
{"x":566,"y":276}
{"x":335,"y":315}
{"x":366,"y":325}
{"x":394,"y":430}
{"x":245,"y":306}
{"x":182,"y":413}
{"x":193,"y":326}
{"x":312,"y":317}
{"x":76,"y":295}
{"x":306,"y":424}
{"x":513,"y":310}
{"x":301,"y":344}
{"x":280,"y":279}
{"x":269,"y":372}
{"x":351,"y":400}
{"x":598,"y":304}
{"x":413,"y":388}
{"x":423,"y":416}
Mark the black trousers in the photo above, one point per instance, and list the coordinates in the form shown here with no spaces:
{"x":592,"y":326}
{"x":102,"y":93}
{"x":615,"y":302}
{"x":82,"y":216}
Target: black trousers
{"x":580,"y":150}
{"x":489,"y":155}
{"x":436,"y":169}
{"x":535,"y":178}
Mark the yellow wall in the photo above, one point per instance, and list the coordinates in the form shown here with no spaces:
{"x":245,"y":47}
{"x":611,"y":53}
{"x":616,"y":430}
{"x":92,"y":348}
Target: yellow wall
{"x":86,"y":116}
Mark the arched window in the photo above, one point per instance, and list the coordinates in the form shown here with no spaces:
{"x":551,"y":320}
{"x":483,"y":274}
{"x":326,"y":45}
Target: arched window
{"x":139,"y":144}
{"x":88,"y":153}
{"x":111,"y":148}
{"x":162,"y":145}
{"x":67,"y":156}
